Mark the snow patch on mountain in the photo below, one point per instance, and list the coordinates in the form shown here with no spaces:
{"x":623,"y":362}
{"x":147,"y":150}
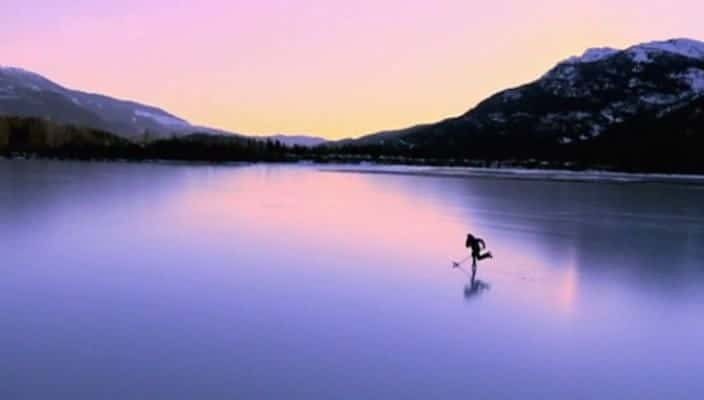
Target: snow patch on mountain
{"x":639,"y":55}
{"x":659,"y":98}
{"x":568,"y":73}
{"x":596,"y":130}
{"x":17,"y":71}
{"x":28,"y":79}
{"x":643,"y":53}
{"x":684,"y":47}
{"x":593,"y":55}
{"x":512,"y":95}
{"x":161,"y":119}
{"x":497,"y":117}
{"x":693,"y":77}
{"x":609,"y":116}
{"x":634,"y":82}
{"x":563,"y":81}
{"x":296,"y":140}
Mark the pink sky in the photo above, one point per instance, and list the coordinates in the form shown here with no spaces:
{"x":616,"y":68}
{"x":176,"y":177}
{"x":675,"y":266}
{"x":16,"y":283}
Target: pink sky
{"x":323,"y":67}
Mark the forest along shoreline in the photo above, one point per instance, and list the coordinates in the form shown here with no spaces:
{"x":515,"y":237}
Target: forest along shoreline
{"x":31,"y":137}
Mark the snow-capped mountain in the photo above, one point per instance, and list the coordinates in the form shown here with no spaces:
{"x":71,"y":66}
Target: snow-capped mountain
{"x":645,"y":52}
{"x":24,"y":93}
{"x":582,"y":98}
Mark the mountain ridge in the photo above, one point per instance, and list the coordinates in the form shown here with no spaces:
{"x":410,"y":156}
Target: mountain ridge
{"x":25,"y":93}
{"x":575,"y":101}
{"x":682,"y":46}
{"x":637,"y":109}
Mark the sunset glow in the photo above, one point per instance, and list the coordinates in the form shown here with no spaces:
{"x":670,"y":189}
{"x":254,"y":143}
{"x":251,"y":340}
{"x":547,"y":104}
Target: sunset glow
{"x":321,"y":67}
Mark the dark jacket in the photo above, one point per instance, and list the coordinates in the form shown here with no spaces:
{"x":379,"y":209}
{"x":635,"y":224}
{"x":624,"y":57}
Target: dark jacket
{"x":477,"y":244}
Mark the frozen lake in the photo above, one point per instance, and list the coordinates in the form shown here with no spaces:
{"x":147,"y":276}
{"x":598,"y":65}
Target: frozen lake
{"x":148,"y":281}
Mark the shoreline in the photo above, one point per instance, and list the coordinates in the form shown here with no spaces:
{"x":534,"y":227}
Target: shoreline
{"x":508,"y":173}
{"x":525,"y":174}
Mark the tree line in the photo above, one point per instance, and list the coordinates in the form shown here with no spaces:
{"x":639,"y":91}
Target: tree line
{"x":637,"y":148}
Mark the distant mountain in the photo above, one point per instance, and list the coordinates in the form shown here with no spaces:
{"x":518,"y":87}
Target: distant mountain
{"x":582,"y":103}
{"x":381,"y":137}
{"x":27,"y":94}
{"x":297,"y":140}
{"x":32,"y":136}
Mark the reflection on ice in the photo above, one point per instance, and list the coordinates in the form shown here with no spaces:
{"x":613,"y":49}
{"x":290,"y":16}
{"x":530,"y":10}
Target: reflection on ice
{"x":475,"y":286}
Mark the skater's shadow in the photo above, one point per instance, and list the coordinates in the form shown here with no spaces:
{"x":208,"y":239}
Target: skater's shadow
{"x":475,"y":286}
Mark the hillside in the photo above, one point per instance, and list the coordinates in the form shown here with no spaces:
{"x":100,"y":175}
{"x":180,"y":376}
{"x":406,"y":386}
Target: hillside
{"x":603,"y":107}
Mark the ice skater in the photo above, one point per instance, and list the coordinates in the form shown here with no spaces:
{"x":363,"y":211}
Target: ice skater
{"x":476,"y":245}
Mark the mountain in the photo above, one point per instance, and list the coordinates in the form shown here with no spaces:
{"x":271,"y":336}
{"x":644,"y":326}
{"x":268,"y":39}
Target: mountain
{"x":32,"y":136}
{"x":297,"y":140}
{"x":27,"y":94}
{"x":380,"y":138}
{"x":582,"y":104}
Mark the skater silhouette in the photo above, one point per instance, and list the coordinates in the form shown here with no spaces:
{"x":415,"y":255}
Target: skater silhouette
{"x":475,"y":286}
{"x":476,"y":245}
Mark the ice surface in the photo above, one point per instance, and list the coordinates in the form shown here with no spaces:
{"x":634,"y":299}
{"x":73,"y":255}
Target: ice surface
{"x":522,"y":173}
